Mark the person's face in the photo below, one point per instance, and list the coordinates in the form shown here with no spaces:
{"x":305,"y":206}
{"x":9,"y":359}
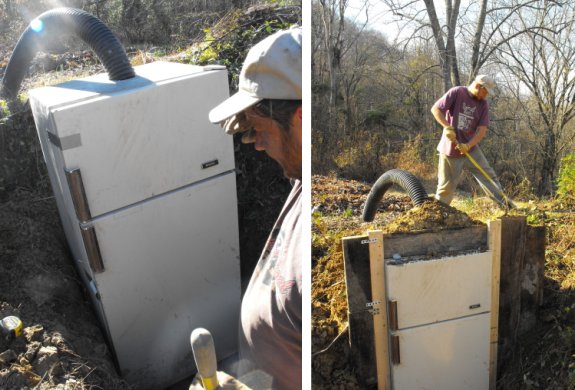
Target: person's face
{"x":479,"y":91}
{"x":283,"y":147}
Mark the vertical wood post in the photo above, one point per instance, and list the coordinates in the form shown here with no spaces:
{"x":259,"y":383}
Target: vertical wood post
{"x":521,"y":281}
{"x":379,"y":301}
{"x":495,"y":246}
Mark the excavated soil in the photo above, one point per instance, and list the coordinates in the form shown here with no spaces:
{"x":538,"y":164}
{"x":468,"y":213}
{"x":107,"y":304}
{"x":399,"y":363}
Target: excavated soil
{"x":337,"y":214}
{"x":62,"y":346}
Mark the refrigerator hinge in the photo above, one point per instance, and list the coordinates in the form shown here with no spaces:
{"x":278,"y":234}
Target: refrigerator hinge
{"x":372,"y":307}
{"x":78,"y":193}
{"x":392,"y":310}
{"x":92,"y":249}
{"x":92,"y":286}
{"x":395,"y":358}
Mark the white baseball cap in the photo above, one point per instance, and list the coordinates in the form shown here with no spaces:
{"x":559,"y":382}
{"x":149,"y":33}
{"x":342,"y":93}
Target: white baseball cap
{"x":271,"y":70}
{"x":486,"y":82}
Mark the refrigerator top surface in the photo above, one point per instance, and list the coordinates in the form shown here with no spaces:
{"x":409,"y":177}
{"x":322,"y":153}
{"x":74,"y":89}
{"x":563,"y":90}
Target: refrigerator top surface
{"x":100,"y":85}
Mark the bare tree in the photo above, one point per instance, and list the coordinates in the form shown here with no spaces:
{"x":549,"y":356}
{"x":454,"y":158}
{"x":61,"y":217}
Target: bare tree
{"x":480,"y":25}
{"x":542,"y":63}
{"x":333,"y":19}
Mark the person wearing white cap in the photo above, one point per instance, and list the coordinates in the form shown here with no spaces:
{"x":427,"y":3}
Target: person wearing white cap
{"x":267,"y":110}
{"x":464,"y":114}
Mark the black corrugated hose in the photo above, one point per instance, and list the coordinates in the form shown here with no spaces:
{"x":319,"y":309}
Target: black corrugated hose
{"x":404,"y":179}
{"x":66,"y":21}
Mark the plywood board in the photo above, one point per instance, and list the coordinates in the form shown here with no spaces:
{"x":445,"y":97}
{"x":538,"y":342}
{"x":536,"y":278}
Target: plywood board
{"x":437,"y":244}
{"x":358,"y":286}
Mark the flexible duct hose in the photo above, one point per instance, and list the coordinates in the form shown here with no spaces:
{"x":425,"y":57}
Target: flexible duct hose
{"x":404,"y":179}
{"x":66,"y":21}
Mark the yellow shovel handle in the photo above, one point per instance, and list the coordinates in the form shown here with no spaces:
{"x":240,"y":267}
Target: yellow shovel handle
{"x":486,"y":176}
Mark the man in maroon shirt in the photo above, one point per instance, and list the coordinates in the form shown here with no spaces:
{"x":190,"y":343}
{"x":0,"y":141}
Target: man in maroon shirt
{"x":464,"y":114}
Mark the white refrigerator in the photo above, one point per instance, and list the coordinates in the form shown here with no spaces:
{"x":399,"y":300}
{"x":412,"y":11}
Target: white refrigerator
{"x":439,"y":322}
{"x":145,"y":188}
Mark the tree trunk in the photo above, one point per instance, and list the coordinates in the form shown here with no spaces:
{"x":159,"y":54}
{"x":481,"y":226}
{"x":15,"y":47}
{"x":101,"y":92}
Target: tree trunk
{"x":548,"y":166}
{"x":437,"y":35}
{"x":451,"y":52}
{"x":477,"y":41}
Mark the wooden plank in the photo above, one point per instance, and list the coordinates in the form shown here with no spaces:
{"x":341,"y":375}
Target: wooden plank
{"x":532,"y":276}
{"x":358,"y":286}
{"x":512,"y":254}
{"x":436,"y":244}
{"x":495,"y":246}
{"x":379,"y":300}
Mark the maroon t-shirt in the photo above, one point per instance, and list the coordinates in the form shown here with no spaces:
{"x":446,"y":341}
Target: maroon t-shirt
{"x":271,"y":307}
{"x":465,"y":114}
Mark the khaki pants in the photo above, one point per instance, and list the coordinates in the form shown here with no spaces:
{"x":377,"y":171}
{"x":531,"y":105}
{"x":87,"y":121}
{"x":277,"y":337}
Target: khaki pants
{"x":449,"y":173}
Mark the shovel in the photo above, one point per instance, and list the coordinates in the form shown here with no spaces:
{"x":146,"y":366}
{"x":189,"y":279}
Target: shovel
{"x":508,"y":203}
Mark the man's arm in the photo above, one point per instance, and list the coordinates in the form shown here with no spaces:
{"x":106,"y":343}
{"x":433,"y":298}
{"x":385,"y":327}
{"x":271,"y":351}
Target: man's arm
{"x":439,"y":116}
{"x":479,"y":135}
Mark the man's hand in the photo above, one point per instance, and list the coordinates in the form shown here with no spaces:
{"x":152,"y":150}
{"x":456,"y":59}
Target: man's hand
{"x":236,"y":123}
{"x":463,"y":148}
{"x":226,"y":382}
{"x":449,"y":132}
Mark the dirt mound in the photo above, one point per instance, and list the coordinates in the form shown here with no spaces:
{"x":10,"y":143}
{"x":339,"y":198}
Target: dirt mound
{"x":331,"y":196}
{"x":62,"y":344}
{"x":432,"y":215}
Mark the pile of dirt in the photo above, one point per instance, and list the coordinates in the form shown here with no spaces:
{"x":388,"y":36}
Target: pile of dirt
{"x":61,"y":346}
{"x":331,"y":197}
{"x":433,"y":216}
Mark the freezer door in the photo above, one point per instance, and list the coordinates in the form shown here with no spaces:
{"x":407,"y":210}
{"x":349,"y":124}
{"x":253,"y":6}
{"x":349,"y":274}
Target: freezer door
{"x":137,"y":138}
{"x":440,"y":289}
{"x":171,"y":264}
{"x":451,"y":355}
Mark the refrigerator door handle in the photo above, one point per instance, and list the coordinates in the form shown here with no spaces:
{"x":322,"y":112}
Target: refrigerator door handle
{"x":76,"y":186}
{"x":395,"y":358}
{"x":392,"y":310}
{"x":92,"y":248}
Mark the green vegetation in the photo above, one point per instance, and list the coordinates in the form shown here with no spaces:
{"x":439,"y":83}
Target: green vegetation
{"x":566,"y":180}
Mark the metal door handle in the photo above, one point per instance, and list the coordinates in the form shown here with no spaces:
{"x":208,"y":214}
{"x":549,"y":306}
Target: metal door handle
{"x":92,"y":249}
{"x":76,"y":186}
{"x":395,"y":357}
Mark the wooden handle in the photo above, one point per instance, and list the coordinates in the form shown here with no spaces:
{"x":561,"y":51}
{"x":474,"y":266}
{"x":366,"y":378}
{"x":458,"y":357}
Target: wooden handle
{"x":205,"y":357}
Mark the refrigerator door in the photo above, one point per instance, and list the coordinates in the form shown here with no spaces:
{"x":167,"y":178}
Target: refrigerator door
{"x":441,"y":289}
{"x":451,"y":355}
{"x":137,"y":138}
{"x":171,"y":264}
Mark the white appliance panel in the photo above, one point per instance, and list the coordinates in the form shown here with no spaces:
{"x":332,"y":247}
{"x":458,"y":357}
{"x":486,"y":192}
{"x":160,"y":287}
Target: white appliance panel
{"x":451,"y":355}
{"x":175,"y":259}
{"x":440,"y":289}
{"x":153,"y":134}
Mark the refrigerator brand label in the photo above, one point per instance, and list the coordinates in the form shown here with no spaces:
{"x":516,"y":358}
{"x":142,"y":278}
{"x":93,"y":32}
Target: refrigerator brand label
{"x":64,"y":143}
{"x":210,"y":164}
